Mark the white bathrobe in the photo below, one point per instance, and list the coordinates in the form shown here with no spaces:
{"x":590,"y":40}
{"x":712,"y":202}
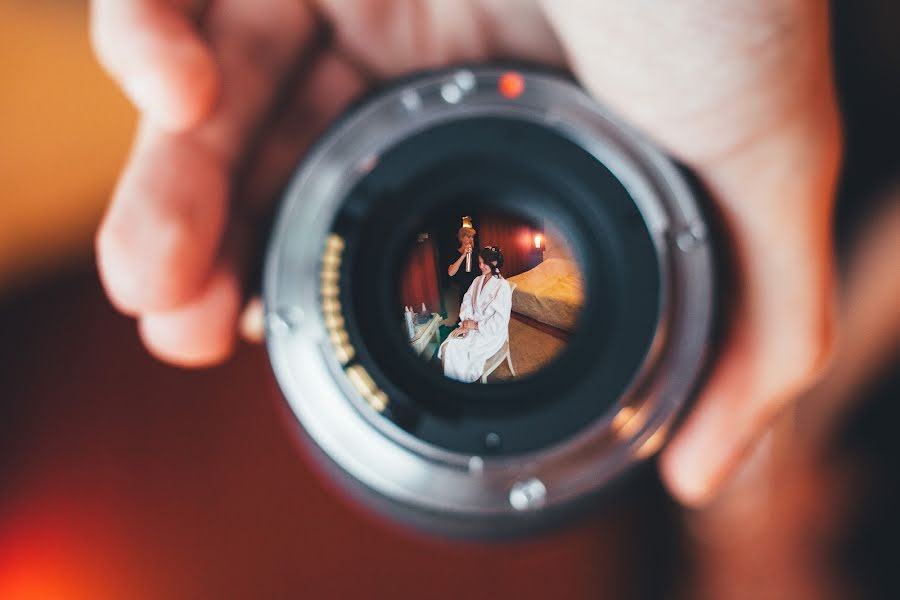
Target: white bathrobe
{"x":464,"y":358}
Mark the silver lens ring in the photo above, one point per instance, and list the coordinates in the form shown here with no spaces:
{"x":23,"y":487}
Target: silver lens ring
{"x":309,"y":354}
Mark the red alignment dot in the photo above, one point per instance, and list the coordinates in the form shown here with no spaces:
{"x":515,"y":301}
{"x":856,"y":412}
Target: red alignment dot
{"x":511,"y":84}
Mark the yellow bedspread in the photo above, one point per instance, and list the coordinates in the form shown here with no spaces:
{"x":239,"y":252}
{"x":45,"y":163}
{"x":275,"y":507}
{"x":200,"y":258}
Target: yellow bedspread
{"x":551,"y":293}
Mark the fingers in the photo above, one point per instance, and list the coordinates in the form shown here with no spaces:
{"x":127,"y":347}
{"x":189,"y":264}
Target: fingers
{"x":780,"y":334}
{"x":153,"y":50}
{"x":393,"y":38}
{"x":160,"y":238}
{"x":742,"y":93}
{"x":202,"y":331}
{"x":251,"y":324}
{"x":257,"y":45}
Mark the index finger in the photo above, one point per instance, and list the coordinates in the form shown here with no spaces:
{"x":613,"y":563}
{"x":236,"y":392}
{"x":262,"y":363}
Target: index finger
{"x":152,"y":49}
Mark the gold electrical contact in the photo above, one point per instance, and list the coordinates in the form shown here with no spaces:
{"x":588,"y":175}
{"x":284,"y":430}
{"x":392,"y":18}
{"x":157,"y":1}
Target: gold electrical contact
{"x":361,"y":380}
{"x":331,"y":306}
{"x":336,"y":325}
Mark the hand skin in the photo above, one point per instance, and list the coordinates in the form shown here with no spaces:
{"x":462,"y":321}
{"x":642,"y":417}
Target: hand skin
{"x":463,"y":251}
{"x":454,"y":266}
{"x":232,"y":92}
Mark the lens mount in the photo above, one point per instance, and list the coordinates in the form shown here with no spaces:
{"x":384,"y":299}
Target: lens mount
{"x":536,"y":144}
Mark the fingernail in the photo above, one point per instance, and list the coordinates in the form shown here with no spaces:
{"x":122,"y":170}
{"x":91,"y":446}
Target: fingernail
{"x":686,"y":480}
{"x":251,"y":325}
{"x":687,"y":464}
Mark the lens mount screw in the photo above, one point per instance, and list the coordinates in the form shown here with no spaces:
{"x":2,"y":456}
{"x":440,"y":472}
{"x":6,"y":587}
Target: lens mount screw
{"x":528,"y":494}
{"x":284,"y":320}
{"x":690,"y":237}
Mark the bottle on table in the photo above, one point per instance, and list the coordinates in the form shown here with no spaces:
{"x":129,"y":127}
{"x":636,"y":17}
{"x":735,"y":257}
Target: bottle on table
{"x":409,"y":317}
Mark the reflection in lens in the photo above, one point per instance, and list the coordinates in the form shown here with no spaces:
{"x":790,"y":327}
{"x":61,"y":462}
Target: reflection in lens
{"x":490,"y":297}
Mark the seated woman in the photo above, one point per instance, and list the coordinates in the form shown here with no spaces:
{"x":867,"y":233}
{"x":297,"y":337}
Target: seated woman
{"x":485,"y":321}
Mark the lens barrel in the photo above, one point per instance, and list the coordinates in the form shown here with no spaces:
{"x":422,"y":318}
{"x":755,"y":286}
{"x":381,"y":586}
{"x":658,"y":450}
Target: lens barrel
{"x":476,"y":459}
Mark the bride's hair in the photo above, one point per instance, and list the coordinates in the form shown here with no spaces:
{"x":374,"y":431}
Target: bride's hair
{"x":492,"y":257}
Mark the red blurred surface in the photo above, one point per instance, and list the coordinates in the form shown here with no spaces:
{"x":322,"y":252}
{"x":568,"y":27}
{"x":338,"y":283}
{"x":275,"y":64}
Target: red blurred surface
{"x":512,"y":235}
{"x":124,"y":478}
{"x":420,"y":278}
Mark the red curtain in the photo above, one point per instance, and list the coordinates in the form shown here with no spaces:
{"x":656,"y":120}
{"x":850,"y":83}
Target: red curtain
{"x":514,"y":236}
{"x":420,"y":278}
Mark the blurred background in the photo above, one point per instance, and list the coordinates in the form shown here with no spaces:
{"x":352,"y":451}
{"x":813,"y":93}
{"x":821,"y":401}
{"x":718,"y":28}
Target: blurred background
{"x":124,"y":478}
{"x":64,"y":133}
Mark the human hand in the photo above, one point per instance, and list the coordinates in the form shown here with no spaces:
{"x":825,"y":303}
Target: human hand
{"x":742,"y":93}
{"x":458,"y":332}
{"x":233,"y":92}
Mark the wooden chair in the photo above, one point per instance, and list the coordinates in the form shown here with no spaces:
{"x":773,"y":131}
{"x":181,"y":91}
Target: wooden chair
{"x":502,"y":354}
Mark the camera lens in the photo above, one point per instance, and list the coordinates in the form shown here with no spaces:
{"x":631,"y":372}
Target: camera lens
{"x":486,"y":297}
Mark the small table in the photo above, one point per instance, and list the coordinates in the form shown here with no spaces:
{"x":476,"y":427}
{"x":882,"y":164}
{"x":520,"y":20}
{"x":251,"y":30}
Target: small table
{"x":425,"y":332}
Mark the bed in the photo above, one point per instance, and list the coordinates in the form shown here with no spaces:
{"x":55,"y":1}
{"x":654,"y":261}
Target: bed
{"x":551,"y":293}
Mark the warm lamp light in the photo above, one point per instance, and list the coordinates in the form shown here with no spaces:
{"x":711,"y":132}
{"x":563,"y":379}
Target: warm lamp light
{"x":467,"y":222}
{"x":538,"y":240}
